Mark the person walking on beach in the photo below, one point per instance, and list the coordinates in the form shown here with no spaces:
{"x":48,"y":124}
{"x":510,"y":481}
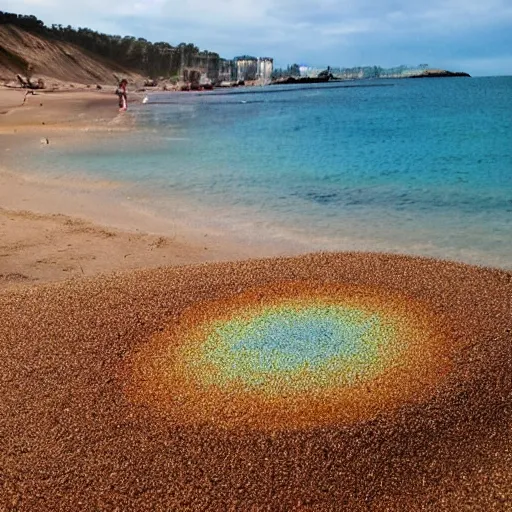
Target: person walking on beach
{"x":121,"y":92}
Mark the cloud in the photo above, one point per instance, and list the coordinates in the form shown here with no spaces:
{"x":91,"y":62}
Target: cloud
{"x":321,"y":32}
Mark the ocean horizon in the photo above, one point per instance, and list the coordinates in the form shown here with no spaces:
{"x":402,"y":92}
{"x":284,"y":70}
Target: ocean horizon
{"x":421,"y":167}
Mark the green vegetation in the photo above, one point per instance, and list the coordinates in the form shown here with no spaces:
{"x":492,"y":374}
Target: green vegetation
{"x":293,"y":70}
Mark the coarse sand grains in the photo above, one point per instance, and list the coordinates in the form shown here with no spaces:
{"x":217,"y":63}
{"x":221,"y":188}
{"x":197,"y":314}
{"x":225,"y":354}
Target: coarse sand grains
{"x":344,"y":381}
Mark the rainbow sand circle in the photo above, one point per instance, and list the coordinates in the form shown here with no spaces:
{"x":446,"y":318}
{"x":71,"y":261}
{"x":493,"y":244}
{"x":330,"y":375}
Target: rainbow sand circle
{"x":292,"y":347}
{"x":291,"y":355}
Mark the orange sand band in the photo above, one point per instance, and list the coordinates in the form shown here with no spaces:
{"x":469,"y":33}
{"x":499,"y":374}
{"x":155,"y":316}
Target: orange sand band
{"x":172,"y":374}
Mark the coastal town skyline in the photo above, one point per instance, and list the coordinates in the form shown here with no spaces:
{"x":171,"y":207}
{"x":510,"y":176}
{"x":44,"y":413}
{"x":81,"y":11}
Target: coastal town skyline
{"x":467,"y":36}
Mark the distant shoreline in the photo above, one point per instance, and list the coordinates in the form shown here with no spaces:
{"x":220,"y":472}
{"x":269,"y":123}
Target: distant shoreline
{"x":433,"y":73}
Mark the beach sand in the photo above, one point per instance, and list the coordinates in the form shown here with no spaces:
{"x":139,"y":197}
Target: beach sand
{"x":99,"y":409}
{"x":40,"y":111}
{"x":54,"y":229}
{"x":85,"y":424}
{"x":37,"y":248}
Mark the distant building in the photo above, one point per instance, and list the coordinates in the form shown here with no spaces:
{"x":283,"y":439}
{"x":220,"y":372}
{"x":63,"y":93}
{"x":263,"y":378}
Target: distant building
{"x":246,"y":67}
{"x":226,"y":70}
{"x":265,"y":69}
{"x":213,"y":69}
{"x":308,"y":71}
{"x":252,"y":68}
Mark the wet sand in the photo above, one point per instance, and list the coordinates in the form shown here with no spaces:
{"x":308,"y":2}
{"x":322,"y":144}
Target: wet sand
{"x":54,"y":228}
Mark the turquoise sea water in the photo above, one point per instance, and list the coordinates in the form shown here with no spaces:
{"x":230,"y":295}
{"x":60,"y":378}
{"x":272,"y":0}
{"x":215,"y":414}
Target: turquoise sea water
{"x":414,"y":166}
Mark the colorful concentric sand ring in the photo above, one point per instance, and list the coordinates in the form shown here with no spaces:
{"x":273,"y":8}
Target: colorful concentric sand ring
{"x":293,"y":355}
{"x":92,"y":411}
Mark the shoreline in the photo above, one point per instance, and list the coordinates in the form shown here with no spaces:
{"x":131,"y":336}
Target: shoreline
{"x":89,"y":233}
{"x":53,"y":229}
{"x":47,"y":202}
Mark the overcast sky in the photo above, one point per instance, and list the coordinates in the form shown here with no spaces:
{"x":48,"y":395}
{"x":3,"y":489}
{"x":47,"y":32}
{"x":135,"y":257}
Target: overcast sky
{"x":460,"y":35}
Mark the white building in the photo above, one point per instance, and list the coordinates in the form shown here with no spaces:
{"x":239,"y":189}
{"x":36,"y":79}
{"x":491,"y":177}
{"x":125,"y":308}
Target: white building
{"x":252,"y":68}
{"x":265,"y":69}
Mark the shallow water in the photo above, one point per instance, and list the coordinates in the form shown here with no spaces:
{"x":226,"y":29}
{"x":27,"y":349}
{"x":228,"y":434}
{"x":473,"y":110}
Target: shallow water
{"x":415,"y":166}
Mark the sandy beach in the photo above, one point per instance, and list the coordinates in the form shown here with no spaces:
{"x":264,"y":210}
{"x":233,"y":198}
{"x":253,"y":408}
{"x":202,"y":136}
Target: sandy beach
{"x":22,"y":110}
{"x":122,"y":387}
{"x":57,"y":229}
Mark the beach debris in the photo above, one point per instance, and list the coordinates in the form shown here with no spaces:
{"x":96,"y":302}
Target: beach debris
{"x":98,"y":86}
{"x":45,"y":141}
{"x":26,"y":83}
{"x":23,"y":81}
{"x":145,"y":100}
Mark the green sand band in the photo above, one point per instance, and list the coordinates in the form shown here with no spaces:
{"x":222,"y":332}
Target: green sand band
{"x":295,"y":347}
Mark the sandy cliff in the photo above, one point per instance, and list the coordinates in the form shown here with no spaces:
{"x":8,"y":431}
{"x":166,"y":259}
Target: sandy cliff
{"x":55,"y":61}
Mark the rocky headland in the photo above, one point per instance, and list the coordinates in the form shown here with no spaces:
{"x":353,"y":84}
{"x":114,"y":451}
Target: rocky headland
{"x":439,"y":73}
